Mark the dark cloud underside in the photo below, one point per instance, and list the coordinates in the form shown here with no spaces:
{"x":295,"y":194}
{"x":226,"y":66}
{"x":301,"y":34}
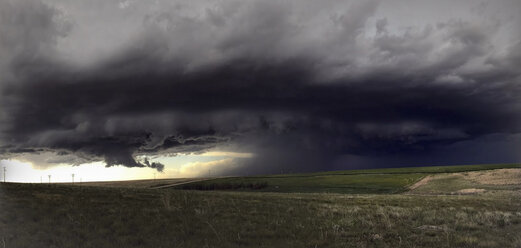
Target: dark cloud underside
{"x":304,"y":90}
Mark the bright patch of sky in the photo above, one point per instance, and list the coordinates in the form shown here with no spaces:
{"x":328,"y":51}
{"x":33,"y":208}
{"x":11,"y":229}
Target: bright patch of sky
{"x":192,"y":165}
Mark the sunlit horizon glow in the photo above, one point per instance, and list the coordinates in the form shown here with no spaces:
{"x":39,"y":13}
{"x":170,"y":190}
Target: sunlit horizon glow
{"x":181,"y":166}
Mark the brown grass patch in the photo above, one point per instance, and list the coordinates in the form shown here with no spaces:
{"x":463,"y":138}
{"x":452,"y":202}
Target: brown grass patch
{"x":496,"y":177}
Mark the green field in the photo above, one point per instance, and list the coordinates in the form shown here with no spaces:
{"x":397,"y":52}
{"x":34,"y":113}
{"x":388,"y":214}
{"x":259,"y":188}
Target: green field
{"x":434,"y":214}
{"x":378,"y":181}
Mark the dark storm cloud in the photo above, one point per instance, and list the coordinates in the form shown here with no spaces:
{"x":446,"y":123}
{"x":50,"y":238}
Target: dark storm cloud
{"x":304,"y":86}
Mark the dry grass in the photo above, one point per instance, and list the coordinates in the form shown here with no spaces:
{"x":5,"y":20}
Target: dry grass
{"x":63,"y":216}
{"x":496,"y":177}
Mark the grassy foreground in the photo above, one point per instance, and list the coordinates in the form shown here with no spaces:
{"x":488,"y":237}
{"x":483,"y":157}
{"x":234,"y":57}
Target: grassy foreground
{"x":69,"y":216}
{"x":463,"y":208}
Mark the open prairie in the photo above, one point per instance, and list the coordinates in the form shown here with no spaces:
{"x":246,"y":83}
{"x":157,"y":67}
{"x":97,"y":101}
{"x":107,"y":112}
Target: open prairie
{"x":408,"y":207}
{"x":377,"y":181}
{"x":146,"y":183}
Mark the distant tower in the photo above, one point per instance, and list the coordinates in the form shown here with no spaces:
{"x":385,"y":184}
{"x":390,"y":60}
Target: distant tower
{"x":72,"y":178}
{"x":49,"y":178}
{"x":4,"y":173}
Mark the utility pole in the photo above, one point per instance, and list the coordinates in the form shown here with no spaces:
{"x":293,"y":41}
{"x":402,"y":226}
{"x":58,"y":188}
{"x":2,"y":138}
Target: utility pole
{"x":4,"y":173}
{"x":49,"y":178}
{"x":72,"y":178}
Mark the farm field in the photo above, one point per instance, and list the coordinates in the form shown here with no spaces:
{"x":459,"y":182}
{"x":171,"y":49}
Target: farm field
{"x":463,"y":208}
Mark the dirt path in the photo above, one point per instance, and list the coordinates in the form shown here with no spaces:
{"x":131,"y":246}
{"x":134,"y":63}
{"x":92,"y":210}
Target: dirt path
{"x":422,"y":182}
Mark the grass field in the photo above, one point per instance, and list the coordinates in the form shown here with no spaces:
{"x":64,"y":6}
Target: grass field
{"x":433,"y":214}
{"x":378,"y":181}
{"x":147,"y":183}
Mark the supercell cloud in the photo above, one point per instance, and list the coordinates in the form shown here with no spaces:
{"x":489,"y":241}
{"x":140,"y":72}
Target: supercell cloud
{"x":303,"y":85}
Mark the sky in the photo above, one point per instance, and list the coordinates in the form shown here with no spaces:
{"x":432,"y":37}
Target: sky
{"x":124,"y":89}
